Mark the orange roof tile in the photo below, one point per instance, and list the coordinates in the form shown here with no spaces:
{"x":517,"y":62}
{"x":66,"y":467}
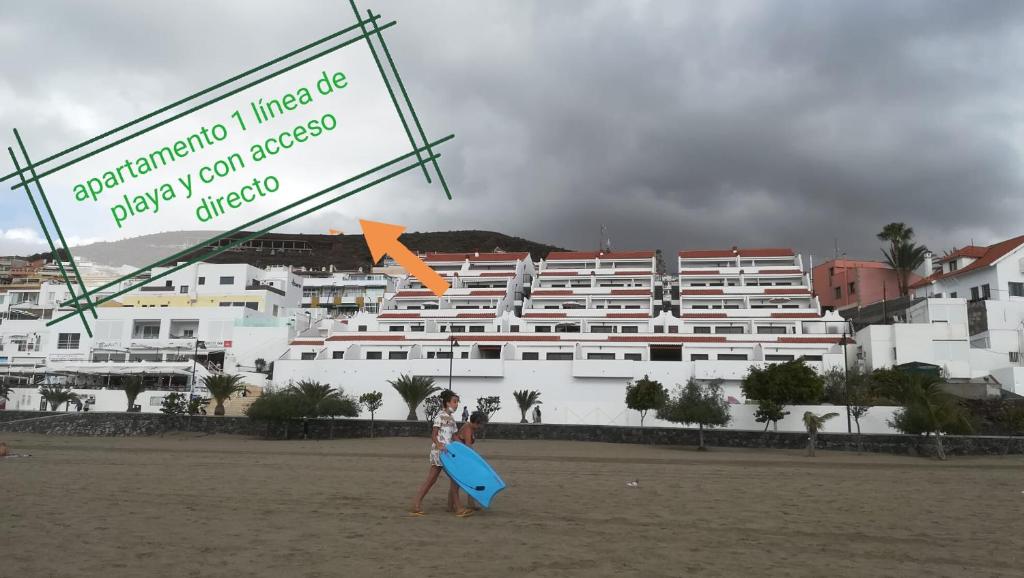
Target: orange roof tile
{"x":992,"y":254}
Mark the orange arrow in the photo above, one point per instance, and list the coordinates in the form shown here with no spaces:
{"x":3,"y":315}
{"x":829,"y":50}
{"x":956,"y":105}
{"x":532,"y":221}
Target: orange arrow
{"x":383,"y":238}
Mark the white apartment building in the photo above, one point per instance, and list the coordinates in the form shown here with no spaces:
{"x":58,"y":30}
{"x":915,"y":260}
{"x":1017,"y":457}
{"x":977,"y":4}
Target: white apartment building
{"x":344,"y":293}
{"x":577,"y":326}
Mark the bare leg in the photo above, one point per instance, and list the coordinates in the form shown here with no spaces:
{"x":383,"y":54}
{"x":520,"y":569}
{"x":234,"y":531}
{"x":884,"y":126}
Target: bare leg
{"x":427,"y":484}
{"x":453,"y":498}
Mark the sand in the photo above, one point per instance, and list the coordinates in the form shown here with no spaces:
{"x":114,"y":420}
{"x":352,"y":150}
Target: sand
{"x":187,"y":505}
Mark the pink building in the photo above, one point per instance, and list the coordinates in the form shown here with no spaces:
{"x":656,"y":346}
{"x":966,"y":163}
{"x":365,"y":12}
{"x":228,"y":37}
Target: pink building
{"x":844,"y":283}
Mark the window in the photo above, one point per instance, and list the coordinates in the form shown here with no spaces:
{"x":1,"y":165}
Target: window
{"x":632,"y":357}
{"x":202,"y":280}
{"x":308,"y":355}
{"x":952,"y":266}
{"x":184,"y":289}
{"x":444,"y":355}
{"x":169,"y":283}
{"x":459,"y":328}
{"x":361,"y":328}
{"x":986,"y":293}
{"x":513,"y":328}
{"x":398,"y":355}
{"x":338,"y":355}
{"x":602,"y":329}
{"x":542,"y":329}
{"x":464,"y":355}
{"x":952,"y":294}
{"x":395,"y":328}
{"x":673,"y":329}
{"x":659,"y":329}
{"x":629,"y":329}
{"x":1016,"y":289}
{"x":476,"y":328}
{"x":698,"y":357}
{"x":818,"y":357}
{"x":728,"y":329}
{"x":600,"y":356}
{"x":254,"y":305}
{"x":559,"y":356}
{"x":974,"y":294}
{"x":416,"y":328}
{"x":228,"y":280}
{"x":839,"y":292}
{"x":530,"y":356}
{"x":732,"y":356}
{"x":700,"y":329}
{"x":850,"y":289}
{"x":778,"y":358}
{"x":374,"y":355}
{"x":1014,"y":357}
{"x":68,"y":340}
{"x":771,"y":330}
{"x":225,"y":304}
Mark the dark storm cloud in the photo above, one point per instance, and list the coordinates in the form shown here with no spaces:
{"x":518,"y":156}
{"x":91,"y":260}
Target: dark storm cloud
{"x":676,"y":124}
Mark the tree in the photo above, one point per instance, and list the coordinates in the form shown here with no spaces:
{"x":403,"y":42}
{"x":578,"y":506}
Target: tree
{"x":903,"y":255}
{"x":814,"y":423}
{"x":414,"y":390}
{"x":853,"y":387}
{"x":1011,"y":420}
{"x":703,"y":405}
{"x":221,"y":387}
{"x":58,"y":395}
{"x":489,"y":405}
{"x":5,"y":390}
{"x":781,"y":384}
{"x":927,"y":409}
{"x":526,"y":399}
{"x":431,"y":407}
{"x":644,"y":395}
{"x":321,"y":400}
{"x":174,"y":404}
{"x":132,"y":385}
{"x":277,"y":406}
{"x":260,"y":364}
{"x":372,"y":402}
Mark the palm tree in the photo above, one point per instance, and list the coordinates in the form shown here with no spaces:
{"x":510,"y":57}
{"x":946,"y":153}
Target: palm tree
{"x":814,"y":423}
{"x":5,"y":390}
{"x":132,"y":386}
{"x":928,"y":409}
{"x":526,"y":399}
{"x":222,"y":387}
{"x":57,"y":395}
{"x":321,"y":400}
{"x":414,"y":389}
{"x":903,"y":255}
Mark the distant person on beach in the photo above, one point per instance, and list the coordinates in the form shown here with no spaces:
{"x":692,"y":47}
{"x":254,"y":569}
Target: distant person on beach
{"x":465,"y":413}
{"x":536,"y":414}
{"x":441,"y":435}
{"x":467,"y":435}
{"x":3,"y":450}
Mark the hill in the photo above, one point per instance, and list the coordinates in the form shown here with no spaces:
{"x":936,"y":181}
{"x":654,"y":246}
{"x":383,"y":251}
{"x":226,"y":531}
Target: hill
{"x":302,"y":250}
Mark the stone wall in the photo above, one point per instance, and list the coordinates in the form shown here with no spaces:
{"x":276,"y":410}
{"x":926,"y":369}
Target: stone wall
{"x":125,"y":424}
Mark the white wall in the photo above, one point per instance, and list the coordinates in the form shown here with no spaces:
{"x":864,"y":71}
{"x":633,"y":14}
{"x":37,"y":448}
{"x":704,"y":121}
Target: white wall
{"x":22,"y":398}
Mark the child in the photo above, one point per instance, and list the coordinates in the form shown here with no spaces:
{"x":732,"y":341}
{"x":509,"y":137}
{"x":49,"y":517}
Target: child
{"x":467,"y":435}
{"x":441,"y":435}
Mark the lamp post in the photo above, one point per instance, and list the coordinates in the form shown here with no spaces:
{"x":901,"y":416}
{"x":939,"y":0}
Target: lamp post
{"x":846,"y":376}
{"x":195,"y":360}
{"x":451,"y":359}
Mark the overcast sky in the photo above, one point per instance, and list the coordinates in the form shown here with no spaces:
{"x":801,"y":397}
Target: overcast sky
{"x":675,"y":124}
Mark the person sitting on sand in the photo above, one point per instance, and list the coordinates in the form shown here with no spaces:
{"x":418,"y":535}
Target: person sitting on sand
{"x":3,"y":450}
{"x":441,"y":435}
{"x":467,"y":435}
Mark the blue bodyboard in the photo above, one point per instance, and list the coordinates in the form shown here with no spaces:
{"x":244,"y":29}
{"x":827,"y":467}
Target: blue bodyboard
{"x":471,"y":472}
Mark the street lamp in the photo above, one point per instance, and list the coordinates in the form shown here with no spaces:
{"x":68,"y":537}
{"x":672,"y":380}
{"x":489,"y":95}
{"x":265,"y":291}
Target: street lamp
{"x":451,"y":358}
{"x":195,"y":360}
{"x":846,"y":375}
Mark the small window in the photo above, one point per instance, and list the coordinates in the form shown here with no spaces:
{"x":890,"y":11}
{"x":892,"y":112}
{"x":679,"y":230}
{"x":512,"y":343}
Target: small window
{"x":629,"y":329}
{"x":986,"y":292}
{"x":952,"y":266}
{"x":975,"y":294}
{"x":444,"y":355}
{"x":395,"y":328}
{"x":374,"y":355}
{"x":338,"y":355}
{"x":602,"y":329}
{"x":68,"y":340}
{"x":227,"y":280}
{"x":419,"y":328}
{"x":1014,"y":357}
{"x":361,"y":328}
{"x":778,"y":358}
{"x":398,"y":355}
{"x":542,"y":329}
{"x":850,"y":289}
{"x":254,"y":305}
{"x":1016,"y":289}
{"x":168,"y":283}
{"x":838,"y":292}
{"x":530,"y":356}
{"x":183,"y":289}
{"x":202,"y":280}
{"x":701,"y":329}
{"x":476,"y":328}
{"x":458,"y":328}
{"x":632,"y":357}
{"x":732,"y":356}
{"x":673,"y":329}
{"x":731,"y":330}
{"x":513,"y":328}
{"x":952,"y":294}
{"x":771,"y":330}
{"x":225,"y":304}
{"x":600,"y":356}
{"x":308,"y":355}
{"x":659,"y":329}
{"x":698,"y":357}
{"x":464,"y":355}
{"x":818,"y":357}
{"x":559,"y":356}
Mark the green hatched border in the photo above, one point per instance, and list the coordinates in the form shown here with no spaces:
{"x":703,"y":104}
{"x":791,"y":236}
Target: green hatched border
{"x":423,"y":150}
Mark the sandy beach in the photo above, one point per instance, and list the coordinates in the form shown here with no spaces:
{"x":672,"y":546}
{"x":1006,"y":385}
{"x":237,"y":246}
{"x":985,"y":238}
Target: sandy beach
{"x":186,"y":505}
